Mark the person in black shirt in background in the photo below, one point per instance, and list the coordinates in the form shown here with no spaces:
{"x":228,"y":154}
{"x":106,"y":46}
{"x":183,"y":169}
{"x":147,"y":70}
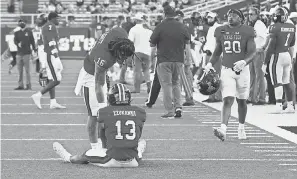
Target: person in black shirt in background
{"x":24,"y":40}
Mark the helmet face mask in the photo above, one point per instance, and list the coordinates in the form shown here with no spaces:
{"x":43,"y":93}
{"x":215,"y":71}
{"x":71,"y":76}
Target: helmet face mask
{"x":209,"y":83}
{"x":119,"y":95}
{"x":43,"y":80}
{"x":280,"y":15}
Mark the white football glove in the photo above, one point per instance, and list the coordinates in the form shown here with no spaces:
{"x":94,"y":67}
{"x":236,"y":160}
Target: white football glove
{"x":238,"y":66}
{"x":208,"y":67}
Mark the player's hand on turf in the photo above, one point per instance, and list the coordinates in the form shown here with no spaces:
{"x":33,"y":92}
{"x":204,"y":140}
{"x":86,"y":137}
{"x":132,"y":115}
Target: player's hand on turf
{"x":239,"y":65}
{"x":208,"y":67}
{"x":264,"y":67}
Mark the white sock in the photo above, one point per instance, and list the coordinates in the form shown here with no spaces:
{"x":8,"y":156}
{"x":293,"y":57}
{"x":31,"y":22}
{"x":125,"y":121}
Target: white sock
{"x":95,"y":145}
{"x":38,"y":94}
{"x":224,"y":127}
{"x":53,"y":101}
{"x":241,"y":126}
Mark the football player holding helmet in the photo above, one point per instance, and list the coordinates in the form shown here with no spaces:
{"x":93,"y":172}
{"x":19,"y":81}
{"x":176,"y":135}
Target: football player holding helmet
{"x":122,"y":125}
{"x":235,"y":41}
{"x":208,"y":82}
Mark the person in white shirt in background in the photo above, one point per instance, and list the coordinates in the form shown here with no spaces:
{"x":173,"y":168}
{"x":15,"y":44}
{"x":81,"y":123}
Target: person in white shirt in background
{"x":12,"y":48}
{"x":140,"y":34}
{"x":257,"y":89}
{"x":212,"y":21}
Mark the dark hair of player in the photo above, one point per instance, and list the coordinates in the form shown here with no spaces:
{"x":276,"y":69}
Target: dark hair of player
{"x":118,"y":95}
{"x":121,"y":48}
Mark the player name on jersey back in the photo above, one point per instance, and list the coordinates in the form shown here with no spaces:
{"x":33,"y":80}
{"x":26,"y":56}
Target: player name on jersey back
{"x":287,"y":29}
{"x":124,"y":113}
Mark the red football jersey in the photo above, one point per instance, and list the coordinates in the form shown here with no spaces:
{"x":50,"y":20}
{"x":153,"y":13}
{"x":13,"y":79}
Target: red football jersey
{"x":50,"y":34}
{"x":284,"y":34}
{"x":234,"y":42}
{"x":100,"y":52}
{"x":123,"y":129}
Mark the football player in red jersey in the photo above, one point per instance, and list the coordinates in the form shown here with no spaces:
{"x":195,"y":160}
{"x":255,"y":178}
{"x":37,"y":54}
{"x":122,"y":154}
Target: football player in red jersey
{"x":123,"y":126}
{"x":280,"y":52}
{"x":53,"y":65}
{"x":113,"y":46}
{"x":235,"y":42}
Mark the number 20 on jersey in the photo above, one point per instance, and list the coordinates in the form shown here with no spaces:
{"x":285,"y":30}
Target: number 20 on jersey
{"x":232,"y":46}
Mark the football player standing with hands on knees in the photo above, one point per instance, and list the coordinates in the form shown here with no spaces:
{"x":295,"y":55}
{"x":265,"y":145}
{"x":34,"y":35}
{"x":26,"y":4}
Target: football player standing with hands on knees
{"x":123,"y":126}
{"x":236,"y":41}
{"x":112,"y":47}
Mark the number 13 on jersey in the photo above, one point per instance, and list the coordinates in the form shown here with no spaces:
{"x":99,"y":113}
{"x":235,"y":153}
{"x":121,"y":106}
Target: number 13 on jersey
{"x":132,"y":133}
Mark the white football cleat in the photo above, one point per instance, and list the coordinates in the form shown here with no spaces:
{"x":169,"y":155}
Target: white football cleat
{"x":289,"y":109}
{"x":61,"y":151}
{"x":219,"y":133}
{"x":36,"y":98}
{"x":141,"y":147}
{"x":57,"y":106}
{"x":241,"y":134}
{"x":278,"y":109}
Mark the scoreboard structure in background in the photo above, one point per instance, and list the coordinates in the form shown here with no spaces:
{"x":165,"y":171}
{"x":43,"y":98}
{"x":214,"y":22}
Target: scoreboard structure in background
{"x":74,"y":43}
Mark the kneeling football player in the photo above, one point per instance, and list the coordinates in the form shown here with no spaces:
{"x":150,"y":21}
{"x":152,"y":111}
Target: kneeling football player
{"x":122,"y":125}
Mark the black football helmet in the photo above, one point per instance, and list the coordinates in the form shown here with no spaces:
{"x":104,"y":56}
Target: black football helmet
{"x":41,"y":20}
{"x":121,"y":48}
{"x":43,"y":80}
{"x":208,"y":83}
{"x":119,"y":94}
{"x":280,"y":15}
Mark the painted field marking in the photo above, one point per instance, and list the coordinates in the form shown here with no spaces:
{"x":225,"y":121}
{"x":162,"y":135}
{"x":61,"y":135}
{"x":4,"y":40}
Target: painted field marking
{"x":273,"y":151}
{"x":252,"y":136}
{"x":288,"y":164}
{"x":230,"y":133}
{"x":281,"y":155}
{"x":65,"y":113}
{"x":81,"y":104}
{"x":168,"y":159}
{"x":271,"y":143}
{"x":60,"y":97}
{"x":69,"y":124}
{"x":218,"y":122}
{"x":246,"y":130}
{"x":88,"y":139}
{"x":273,"y":147}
